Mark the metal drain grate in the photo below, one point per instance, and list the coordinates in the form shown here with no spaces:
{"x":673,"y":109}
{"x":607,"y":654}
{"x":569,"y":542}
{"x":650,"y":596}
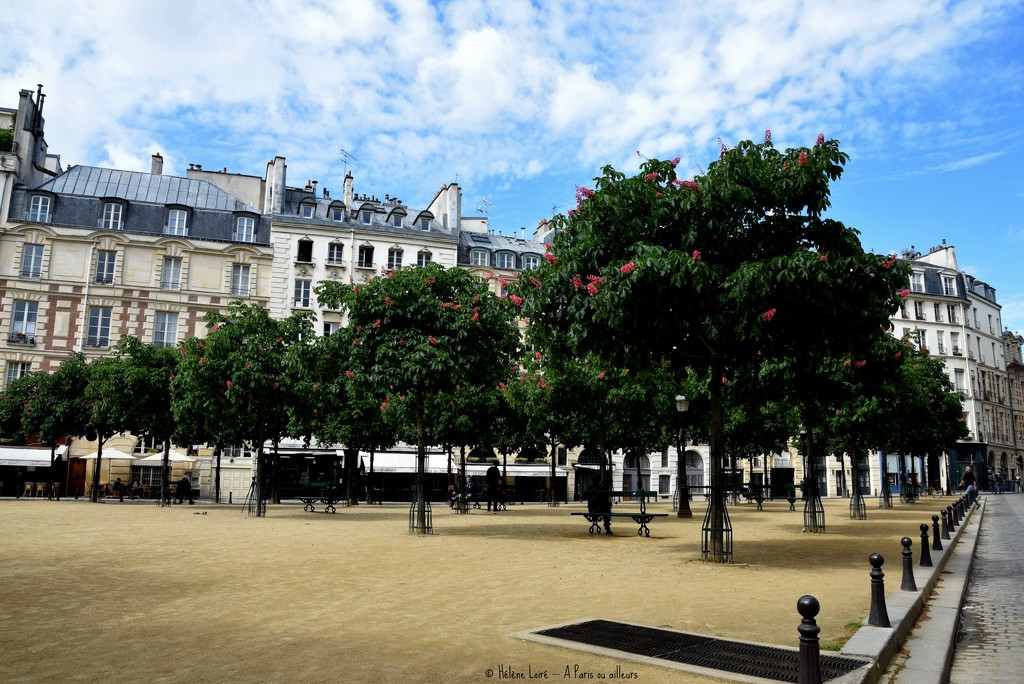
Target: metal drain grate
{"x":750,"y":660}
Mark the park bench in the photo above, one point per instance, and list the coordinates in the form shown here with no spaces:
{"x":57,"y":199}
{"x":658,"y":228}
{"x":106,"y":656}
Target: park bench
{"x":641,"y":516}
{"x":312,"y":493}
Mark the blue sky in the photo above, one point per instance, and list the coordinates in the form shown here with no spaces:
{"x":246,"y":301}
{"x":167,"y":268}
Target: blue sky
{"x":521,"y":101}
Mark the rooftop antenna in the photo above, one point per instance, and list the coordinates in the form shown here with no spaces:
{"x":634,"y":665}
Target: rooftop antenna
{"x":481,"y":210}
{"x":345,"y":156}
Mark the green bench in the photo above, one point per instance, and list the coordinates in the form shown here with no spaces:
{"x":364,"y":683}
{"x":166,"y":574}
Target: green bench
{"x":641,"y":516}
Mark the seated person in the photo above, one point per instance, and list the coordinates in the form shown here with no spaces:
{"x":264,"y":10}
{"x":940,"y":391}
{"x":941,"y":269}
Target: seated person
{"x":598,"y":501}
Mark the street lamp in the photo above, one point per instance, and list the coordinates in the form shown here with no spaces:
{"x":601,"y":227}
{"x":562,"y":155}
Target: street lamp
{"x":682,"y":491}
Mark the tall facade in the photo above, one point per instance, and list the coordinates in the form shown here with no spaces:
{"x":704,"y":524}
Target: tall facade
{"x":956,"y":317}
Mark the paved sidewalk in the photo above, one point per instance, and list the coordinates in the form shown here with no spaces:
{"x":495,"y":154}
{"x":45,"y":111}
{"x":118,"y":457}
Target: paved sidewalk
{"x":992,"y":618}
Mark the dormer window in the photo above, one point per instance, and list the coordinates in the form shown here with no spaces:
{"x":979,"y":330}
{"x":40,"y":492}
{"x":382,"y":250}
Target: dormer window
{"x":39,"y":209}
{"x":307,"y":211}
{"x":366,"y":217}
{"x":177,"y":222}
{"x":338,"y":214}
{"x":425,"y":224}
{"x":505,"y":260}
{"x":396,"y":220}
{"x":530,"y":261}
{"x":478,"y":257}
{"x":245,"y":229}
{"x":113,"y":216}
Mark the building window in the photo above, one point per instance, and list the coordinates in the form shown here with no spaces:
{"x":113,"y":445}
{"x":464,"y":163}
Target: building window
{"x":422,"y":259}
{"x":424,"y":224}
{"x":335,"y":253}
{"x":177,"y":222}
{"x":240,"y":280}
{"x":937,"y":310}
{"x":307,"y":211}
{"x":112,"y":212}
{"x":17,"y":369}
{"x":917,"y":282}
{"x":23,"y":321}
{"x":305,"y":252}
{"x":949,"y":286}
{"x":302,"y":289}
{"x":32,"y":261}
{"x":148,"y":476}
{"x":171,"y":278}
{"x":396,"y":220}
{"x":245,"y":229}
{"x":958,"y":379}
{"x":394,"y":259}
{"x":478,"y":257}
{"x":235,"y":452}
{"x":530,"y":261}
{"x":954,"y":341}
{"x":147,"y":445}
{"x":919,"y":310}
{"x":99,"y":327}
{"x":331,"y":327}
{"x":951,"y":313}
{"x":39,"y":209}
{"x":505,"y":260}
{"x":105,"y":260}
{"x":165,"y":331}
{"x":664,"y":484}
{"x":365,"y":259}
{"x":337,"y":214}
{"x":367,"y":217}
{"x":940,"y":342}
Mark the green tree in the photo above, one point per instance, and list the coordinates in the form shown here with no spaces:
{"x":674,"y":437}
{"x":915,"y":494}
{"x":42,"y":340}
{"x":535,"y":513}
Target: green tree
{"x":231,"y":386}
{"x":713,"y":273}
{"x":142,"y":403}
{"x":421,"y":332}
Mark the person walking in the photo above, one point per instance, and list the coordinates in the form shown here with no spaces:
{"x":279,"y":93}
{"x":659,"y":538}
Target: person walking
{"x":185,"y":490}
{"x":493,"y":476}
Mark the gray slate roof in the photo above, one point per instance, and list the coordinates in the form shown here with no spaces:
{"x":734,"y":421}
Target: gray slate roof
{"x":135,"y":186}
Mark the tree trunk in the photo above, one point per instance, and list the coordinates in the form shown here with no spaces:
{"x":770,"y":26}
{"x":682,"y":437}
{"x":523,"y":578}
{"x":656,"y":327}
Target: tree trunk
{"x":714,"y":547}
{"x":94,"y":496}
{"x":421,"y":466}
{"x":165,"y":478}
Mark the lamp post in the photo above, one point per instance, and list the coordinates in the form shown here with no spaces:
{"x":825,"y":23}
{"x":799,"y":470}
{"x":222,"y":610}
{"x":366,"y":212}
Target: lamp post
{"x":682,"y":490}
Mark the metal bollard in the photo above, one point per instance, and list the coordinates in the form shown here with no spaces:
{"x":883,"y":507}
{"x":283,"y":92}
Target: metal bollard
{"x":810,"y":651}
{"x":908,"y":583}
{"x":945,"y":524}
{"x":936,"y":542}
{"x":926,"y":556}
{"x":879,"y":616}
{"x":954,"y":521}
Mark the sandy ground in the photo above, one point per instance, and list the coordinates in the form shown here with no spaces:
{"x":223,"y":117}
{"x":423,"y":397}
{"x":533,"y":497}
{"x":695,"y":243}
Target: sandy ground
{"x":134,"y":592}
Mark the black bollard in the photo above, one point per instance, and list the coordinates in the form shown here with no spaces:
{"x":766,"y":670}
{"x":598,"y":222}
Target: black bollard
{"x":810,"y":651}
{"x":926,"y":556}
{"x":953,"y":522}
{"x":945,"y":524}
{"x":908,"y":583}
{"x":936,"y":542}
{"x":879,"y":616}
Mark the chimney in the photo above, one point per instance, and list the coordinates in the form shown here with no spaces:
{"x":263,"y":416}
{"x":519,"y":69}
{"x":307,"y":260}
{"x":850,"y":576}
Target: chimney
{"x":348,"y":190}
{"x":157,"y":167}
{"x":314,"y":187}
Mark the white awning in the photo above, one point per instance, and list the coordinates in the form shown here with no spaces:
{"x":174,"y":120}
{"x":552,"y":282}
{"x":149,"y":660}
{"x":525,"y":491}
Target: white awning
{"x":28,"y":456}
{"x":518,"y":469}
{"x":396,"y":462}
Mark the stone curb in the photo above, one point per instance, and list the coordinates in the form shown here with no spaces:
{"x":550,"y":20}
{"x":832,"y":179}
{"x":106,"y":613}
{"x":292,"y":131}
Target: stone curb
{"x":927,"y":645}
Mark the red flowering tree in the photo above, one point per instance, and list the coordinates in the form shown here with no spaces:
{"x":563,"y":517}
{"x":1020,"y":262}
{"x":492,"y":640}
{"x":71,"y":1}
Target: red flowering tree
{"x":420,"y":332}
{"x":715,"y":272}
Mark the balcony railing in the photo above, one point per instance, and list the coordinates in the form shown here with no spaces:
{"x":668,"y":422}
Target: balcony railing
{"x":31,"y":273}
{"x":21,"y":338}
{"x":239,"y":292}
{"x":97,"y":342}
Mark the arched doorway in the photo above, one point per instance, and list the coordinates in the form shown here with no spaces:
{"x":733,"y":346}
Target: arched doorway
{"x":694,"y":470}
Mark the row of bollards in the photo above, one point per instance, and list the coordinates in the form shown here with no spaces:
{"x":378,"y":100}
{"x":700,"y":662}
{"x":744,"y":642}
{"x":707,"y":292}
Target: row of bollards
{"x":951,"y":517}
{"x":808,"y":606}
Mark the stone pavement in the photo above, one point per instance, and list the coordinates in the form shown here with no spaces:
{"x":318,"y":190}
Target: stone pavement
{"x":992,"y":618}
